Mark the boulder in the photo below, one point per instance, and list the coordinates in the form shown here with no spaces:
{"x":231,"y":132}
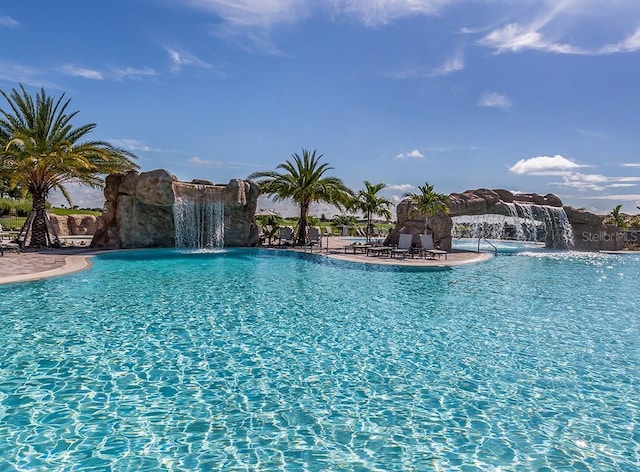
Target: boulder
{"x":138,"y":212}
{"x":74,"y":225}
{"x":410,"y":221}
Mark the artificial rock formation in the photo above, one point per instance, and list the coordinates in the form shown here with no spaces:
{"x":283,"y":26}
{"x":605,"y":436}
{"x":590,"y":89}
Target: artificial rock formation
{"x":138,"y":212}
{"x":589,"y":232}
{"x":74,"y":225}
{"x":410,"y":221}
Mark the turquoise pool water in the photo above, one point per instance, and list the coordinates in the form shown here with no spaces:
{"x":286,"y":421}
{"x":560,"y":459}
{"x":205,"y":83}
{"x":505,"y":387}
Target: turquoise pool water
{"x":268,"y":360}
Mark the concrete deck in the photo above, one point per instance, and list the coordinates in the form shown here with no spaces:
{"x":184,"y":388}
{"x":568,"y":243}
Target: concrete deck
{"x":28,"y":266}
{"x":43,"y":264}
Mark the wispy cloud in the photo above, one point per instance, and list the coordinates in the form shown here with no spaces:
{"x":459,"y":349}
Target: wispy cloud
{"x":77,"y":71}
{"x":629,"y":44}
{"x":401,"y":187}
{"x":180,"y":59}
{"x":8,"y":22}
{"x":197,"y":160}
{"x":554,"y":21}
{"x":136,"y":145}
{"x":491,"y":99}
{"x":451,"y":65}
{"x":515,"y":37}
{"x":415,"y":154}
{"x":249,"y":23}
{"x":133,"y":73}
{"x":620,"y":197}
{"x":595,"y":182}
{"x":381,"y":12}
{"x":630,"y":164}
{"x":591,"y":133}
{"x":544,"y":165}
{"x":452,"y":148}
{"x":18,"y":73}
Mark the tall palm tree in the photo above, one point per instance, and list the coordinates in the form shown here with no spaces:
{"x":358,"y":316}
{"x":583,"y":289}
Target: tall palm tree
{"x":41,"y":150}
{"x":371,"y":204}
{"x":303,"y":181}
{"x":429,"y":202}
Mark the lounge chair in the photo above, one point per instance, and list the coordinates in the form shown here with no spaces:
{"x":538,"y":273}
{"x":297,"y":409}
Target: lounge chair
{"x":285,"y":236}
{"x":314,"y":238}
{"x":428,"y":248}
{"x":8,"y":245}
{"x":404,"y":246}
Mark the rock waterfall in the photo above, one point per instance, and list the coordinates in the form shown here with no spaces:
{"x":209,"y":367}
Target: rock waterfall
{"x":198,"y":214}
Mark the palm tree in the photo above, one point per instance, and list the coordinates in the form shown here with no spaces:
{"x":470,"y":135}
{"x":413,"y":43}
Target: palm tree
{"x":371,"y":204}
{"x":618,"y":218}
{"x":303,"y":181}
{"x":429,"y":202}
{"x":41,"y":150}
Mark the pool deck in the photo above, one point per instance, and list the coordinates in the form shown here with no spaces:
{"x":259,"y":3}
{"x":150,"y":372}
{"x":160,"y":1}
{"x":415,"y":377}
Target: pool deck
{"x":35,"y":265}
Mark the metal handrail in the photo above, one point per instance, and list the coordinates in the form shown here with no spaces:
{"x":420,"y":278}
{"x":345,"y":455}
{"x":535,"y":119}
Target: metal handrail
{"x":490,"y":244}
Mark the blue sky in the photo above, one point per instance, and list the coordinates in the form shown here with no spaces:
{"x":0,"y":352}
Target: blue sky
{"x":531,"y":96}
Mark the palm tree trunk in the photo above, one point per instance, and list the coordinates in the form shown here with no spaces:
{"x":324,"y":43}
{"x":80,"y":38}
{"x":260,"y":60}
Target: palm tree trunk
{"x":39,"y":231}
{"x":302,"y":224}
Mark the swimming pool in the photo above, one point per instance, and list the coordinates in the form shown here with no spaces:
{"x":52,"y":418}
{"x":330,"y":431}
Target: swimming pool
{"x":275,"y":360}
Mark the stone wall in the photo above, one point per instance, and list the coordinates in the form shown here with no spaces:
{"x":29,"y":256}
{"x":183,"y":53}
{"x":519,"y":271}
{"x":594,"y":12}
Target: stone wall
{"x":138,"y":212}
{"x":74,"y":225}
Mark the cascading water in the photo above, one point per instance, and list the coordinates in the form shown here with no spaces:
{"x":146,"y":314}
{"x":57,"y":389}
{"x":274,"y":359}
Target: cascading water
{"x":199,"y":220}
{"x":526,"y":222}
{"x":559,"y":231}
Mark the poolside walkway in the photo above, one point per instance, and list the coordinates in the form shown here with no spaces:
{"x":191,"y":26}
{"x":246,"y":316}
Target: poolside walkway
{"x":337,"y":244}
{"x":42,"y":264}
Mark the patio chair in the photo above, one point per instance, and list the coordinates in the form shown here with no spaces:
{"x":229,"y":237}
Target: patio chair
{"x":404,"y":246}
{"x":314,"y":238}
{"x":428,"y":247}
{"x":285,"y":236}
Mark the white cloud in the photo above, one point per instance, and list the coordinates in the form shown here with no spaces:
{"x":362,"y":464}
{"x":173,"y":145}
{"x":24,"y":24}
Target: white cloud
{"x":182,"y":59}
{"x":591,"y":133}
{"x":556,"y":20}
{"x":17,"y":73}
{"x":453,"y":64}
{"x":415,"y":154}
{"x":401,"y":187}
{"x":135,"y":145}
{"x":544,"y":165}
{"x":133,"y":73}
{"x":492,"y":99}
{"x":8,"y":22}
{"x":515,"y":37}
{"x":76,"y":71}
{"x":630,"y":44}
{"x":630,"y":164}
{"x":381,"y":12}
{"x":595,"y":182}
{"x":199,"y":161}
{"x":623,"y":197}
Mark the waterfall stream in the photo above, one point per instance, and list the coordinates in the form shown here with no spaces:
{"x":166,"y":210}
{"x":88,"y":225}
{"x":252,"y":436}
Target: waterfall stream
{"x":199,"y":220}
{"x":525,"y":222}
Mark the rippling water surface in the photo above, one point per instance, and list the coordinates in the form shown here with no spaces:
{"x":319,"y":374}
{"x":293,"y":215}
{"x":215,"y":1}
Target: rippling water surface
{"x":257,"y":360}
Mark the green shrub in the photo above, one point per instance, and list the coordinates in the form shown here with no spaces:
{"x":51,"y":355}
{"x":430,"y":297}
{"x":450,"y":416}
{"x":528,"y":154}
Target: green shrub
{"x":9,"y":206}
